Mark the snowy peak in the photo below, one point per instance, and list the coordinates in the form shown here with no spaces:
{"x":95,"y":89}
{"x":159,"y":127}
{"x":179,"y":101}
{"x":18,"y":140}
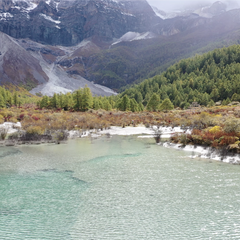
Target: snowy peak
{"x":134,"y":36}
{"x":215,"y":9}
{"x":68,"y":22}
{"x":206,"y":11}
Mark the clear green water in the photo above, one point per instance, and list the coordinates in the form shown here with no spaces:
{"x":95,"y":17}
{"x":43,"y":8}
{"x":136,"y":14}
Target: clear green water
{"x":121,"y":188}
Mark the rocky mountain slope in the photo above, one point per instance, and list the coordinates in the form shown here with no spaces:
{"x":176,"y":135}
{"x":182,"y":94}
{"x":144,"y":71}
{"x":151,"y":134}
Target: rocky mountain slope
{"x":68,"y":22}
{"x":58,"y":45}
{"x":17,"y":66}
{"x":32,"y":65}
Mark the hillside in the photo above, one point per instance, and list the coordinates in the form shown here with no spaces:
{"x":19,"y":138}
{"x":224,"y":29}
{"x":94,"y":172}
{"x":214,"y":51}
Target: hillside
{"x":131,"y":62}
{"x":212,"y":77}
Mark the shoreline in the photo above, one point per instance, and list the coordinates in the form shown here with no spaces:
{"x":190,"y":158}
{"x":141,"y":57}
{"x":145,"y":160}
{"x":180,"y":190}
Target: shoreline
{"x":205,"y":153}
{"x":141,"y":131}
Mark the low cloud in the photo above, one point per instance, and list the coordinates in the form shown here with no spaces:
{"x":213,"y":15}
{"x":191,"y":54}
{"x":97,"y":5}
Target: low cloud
{"x":173,"y":5}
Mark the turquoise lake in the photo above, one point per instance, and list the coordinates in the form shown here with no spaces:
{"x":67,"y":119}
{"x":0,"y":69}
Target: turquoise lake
{"x":119,"y":188}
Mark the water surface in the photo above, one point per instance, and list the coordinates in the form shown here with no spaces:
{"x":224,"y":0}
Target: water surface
{"x":115,"y":188}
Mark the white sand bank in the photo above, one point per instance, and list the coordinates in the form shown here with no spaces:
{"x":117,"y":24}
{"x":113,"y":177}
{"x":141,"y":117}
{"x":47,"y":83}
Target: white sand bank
{"x":10,"y":127}
{"x":207,"y":153}
{"x":141,"y":130}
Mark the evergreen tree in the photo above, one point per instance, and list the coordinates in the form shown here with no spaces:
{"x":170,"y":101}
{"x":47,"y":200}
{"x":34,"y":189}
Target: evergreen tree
{"x":106,"y":105}
{"x":54,"y":101}
{"x":77,"y":98}
{"x":15,"y":99}
{"x":44,"y":103}
{"x":87,"y":99}
{"x":235,"y":97}
{"x":211,"y":103}
{"x":153,"y":103}
{"x":228,"y":101}
{"x":125,"y":104}
{"x":166,"y":105}
{"x":96,"y":105}
{"x":138,"y":97}
{"x":2,"y":102}
{"x":214,"y":95}
{"x":133,"y":105}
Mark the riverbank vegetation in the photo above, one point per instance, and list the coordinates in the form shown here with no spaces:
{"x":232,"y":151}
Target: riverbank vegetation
{"x":217,"y":127}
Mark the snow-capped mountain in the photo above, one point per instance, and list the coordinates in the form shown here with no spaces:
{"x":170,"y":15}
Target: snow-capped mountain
{"x":202,"y":10}
{"x":68,"y":22}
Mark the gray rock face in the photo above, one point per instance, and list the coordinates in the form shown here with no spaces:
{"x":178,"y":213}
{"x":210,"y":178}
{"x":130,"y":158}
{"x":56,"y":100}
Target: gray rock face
{"x":5,"y":5}
{"x":62,"y":22}
{"x":17,"y":66}
{"x":33,"y":65}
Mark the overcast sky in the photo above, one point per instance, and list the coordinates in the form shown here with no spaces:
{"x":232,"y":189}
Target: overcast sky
{"x":168,"y":5}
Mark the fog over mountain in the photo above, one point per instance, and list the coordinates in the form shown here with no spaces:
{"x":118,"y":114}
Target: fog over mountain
{"x":174,"y":5}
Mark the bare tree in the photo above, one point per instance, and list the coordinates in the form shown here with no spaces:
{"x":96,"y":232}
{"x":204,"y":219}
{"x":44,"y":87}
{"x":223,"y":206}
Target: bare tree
{"x":157,"y":133}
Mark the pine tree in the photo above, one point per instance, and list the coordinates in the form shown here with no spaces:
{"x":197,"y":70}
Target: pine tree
{"x":106,"y":105}
{"x":153,"y":103}
{"x":2,"y":102}
{"x":133,"y":105}
{"x":166,"y":105}
{"x":211,"y":103}
{"x":15,"y":99}
{"x":87,"y":99}
{"x":77,"y":98}
{"x":44,"y":103}
{"x":96,"y":105}
{"x":125,"y":104}
{"x":54,"y":101}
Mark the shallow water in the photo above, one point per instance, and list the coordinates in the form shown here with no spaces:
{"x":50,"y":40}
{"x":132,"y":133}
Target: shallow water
{"x":119,"y":188}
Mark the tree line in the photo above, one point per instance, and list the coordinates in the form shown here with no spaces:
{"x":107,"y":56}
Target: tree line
{"x":206,"y":79}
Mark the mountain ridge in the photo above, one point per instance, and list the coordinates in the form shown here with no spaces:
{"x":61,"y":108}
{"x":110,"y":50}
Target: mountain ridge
{"x":108,"y":42}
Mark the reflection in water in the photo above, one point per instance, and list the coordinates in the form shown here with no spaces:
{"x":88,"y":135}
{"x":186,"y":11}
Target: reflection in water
{"x":118,"y":188}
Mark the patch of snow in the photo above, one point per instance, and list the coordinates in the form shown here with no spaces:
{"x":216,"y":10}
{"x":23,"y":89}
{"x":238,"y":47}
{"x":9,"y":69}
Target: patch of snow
{"x":134,"y":36}
{"x":146,"y":35}
{"x":31,"y":6}
{"x":127,"y":14}
{"x":4,"y":16}
{"x":57,"y":3}
{"x":159,"y":13}
{"x":30,"y":3}
{"x":49,"y":18}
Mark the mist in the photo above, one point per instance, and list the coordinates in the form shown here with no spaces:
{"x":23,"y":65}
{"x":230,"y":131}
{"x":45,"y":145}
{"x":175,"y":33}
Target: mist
{"x":174,"y":5}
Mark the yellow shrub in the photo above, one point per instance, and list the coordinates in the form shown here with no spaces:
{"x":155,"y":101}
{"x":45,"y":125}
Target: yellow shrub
{"x":35,"y":130}
{"x":13,"y":119}
{"x":6,"y":113}
{"x":215,"y":129}
{"x":1,"y":119}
